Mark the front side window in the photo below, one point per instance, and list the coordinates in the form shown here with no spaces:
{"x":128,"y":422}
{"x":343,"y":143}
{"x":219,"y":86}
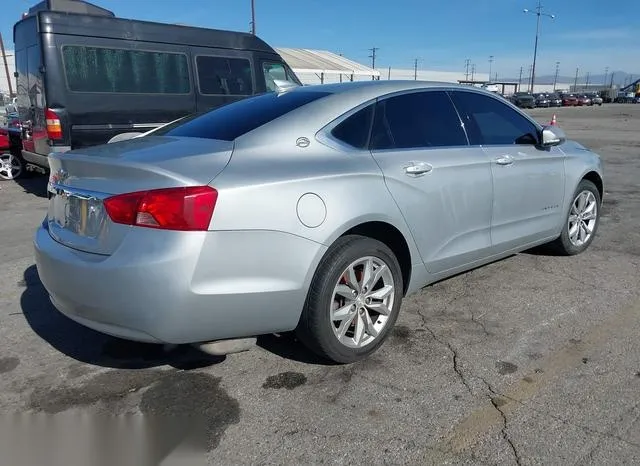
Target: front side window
{"x":491,"y":122}
{"x":106,"y":70}
{"x":277,"y":71}
{"x":416,"y":120}
{"x":224,"y":75}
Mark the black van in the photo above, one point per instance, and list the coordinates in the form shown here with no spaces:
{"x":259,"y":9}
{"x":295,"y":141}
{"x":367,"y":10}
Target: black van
{"x":84,"y":75}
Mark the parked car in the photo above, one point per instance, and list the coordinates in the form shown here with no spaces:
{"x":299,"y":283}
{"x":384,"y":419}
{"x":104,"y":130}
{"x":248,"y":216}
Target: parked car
{"x":569,"y":100}
{"x":555,"y":100}
{"x":12,"y":165}
{"x":523,"y":100}
{"x":542,"y":100}
{"x":107,"y":75}
{"x":236,"y":222}
{"x":583,"y":100}
{"x":595,"y":99}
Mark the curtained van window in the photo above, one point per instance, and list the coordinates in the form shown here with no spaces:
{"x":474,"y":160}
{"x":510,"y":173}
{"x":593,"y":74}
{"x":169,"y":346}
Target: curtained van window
{"x":106,"y":70}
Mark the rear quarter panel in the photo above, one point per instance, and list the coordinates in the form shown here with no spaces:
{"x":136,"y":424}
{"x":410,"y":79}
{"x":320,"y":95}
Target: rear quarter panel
{"x":261,"y":190}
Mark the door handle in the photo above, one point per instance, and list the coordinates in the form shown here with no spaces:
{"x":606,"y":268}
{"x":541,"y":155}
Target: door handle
{"x":504,"y":160}
{"x":418,"y":168}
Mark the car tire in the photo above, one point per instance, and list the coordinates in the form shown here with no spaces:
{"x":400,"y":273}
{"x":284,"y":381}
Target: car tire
{"x":320,"y":328}
{"x":567,"y":244}
{"x":12,"y":166}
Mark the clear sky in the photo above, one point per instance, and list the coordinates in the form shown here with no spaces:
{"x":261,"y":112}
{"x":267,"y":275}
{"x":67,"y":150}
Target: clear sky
{"x":590,"y":34}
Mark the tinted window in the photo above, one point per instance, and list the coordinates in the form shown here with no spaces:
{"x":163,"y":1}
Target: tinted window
{"x":355,"y":129}
{"x":424,"y":119}
{"x":491,"y":122}
{"x":94,"y":69}
{"x":224,"y":76}
{"x":235,"y":119}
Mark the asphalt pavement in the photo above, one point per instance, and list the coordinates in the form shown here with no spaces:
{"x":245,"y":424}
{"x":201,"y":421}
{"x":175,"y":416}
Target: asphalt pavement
{"x":530,"y":360}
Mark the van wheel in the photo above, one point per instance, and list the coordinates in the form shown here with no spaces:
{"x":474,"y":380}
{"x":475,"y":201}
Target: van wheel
{"x":354,"y":300}
{"x":12,"y":167}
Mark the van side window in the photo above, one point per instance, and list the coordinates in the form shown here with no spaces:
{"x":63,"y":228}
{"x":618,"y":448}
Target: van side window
{"x":107,"y":70}
{"x":224,"y":75}
{"x":275,"y":71}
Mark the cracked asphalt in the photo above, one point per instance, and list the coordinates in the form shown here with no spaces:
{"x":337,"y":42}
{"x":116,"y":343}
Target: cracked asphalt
{"x":530,"y":360}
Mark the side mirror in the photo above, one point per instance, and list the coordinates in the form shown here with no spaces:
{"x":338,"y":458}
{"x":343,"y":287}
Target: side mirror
{"x":552,"y":136}
{"x":284,"y":85}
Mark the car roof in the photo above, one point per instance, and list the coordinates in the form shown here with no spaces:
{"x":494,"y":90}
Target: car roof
{"x":378,"y":87}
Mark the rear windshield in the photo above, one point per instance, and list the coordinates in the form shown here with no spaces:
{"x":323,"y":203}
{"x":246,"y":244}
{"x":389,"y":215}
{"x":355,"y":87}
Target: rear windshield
{"x":235,"y":119}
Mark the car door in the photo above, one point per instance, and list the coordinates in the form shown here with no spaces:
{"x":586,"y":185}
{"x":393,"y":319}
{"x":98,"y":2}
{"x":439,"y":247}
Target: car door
{"x":528,"y":180}
{"x":441,"y":184}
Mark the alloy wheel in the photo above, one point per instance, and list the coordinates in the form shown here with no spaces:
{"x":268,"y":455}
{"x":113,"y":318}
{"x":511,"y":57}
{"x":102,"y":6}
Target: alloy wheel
{"x":362,"y":302}
{"x":582,"y":218}
{"x":10,"y":166}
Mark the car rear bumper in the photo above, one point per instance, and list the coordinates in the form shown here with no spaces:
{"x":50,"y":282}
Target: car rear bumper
{"x":216,"y":285}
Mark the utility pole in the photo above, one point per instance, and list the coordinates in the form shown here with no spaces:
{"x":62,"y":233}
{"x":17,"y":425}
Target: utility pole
{"x":253,"y":18}
{"x":373,"y":58}
{"x":415,"y":69}
{"x":555,"y":79}
{"x":612,"y":74}
{"x":6,"y":67}
{"x":490,"y":64}
{"x":606,"y":72}
{"x":473,"y":71}
{"x":587,"y":81}
{"x":575,"y":83}
{"x":520,"y":79}
{"x":389,"y":74}
{"x":538,"y":12}
{"x":467,"y":62}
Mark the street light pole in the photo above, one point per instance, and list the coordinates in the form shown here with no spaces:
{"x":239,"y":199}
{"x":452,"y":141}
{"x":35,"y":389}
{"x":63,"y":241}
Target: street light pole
{"x":538,"y":12}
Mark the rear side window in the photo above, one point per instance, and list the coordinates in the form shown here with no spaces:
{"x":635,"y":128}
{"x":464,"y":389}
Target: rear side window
{"x":491,"y":122}
{"x":237,"y":118}
{"x":417,"y":120}
{"x":355,"y":129}
{"x":106,"y":70}
{"x":224,"y":76}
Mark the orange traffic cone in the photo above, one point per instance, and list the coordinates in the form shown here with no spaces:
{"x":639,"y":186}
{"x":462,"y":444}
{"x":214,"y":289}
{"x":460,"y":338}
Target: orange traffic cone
{"x":553,"y":120}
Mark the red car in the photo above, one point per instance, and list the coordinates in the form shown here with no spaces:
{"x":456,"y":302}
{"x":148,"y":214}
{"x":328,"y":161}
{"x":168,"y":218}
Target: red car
{"x":584,"y":100}
{"x":4,"y":139}
{"x":569,"y":100}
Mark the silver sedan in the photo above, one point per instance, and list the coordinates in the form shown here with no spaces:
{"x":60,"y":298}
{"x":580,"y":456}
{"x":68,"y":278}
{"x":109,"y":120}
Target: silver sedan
{"x":315,"y":209}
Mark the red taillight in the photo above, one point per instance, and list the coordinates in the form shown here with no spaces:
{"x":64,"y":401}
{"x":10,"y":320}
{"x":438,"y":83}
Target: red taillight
{"x":186,"y":209}
{"x":54,"y":128}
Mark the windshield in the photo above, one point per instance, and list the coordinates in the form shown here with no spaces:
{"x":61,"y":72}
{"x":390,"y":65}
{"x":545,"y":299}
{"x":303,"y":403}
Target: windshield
{"x":235,"y":119}
{"x":274,"y":71}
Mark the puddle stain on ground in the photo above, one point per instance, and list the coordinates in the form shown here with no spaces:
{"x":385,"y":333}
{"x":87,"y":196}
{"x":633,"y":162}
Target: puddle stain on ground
{"x":505,"y":367}
{"x":8,"y":364}
{"x":288,"y":380}
{"x":165,"y":395}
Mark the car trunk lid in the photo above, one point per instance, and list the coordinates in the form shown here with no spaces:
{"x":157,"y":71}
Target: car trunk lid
{"x":81,"y":180}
